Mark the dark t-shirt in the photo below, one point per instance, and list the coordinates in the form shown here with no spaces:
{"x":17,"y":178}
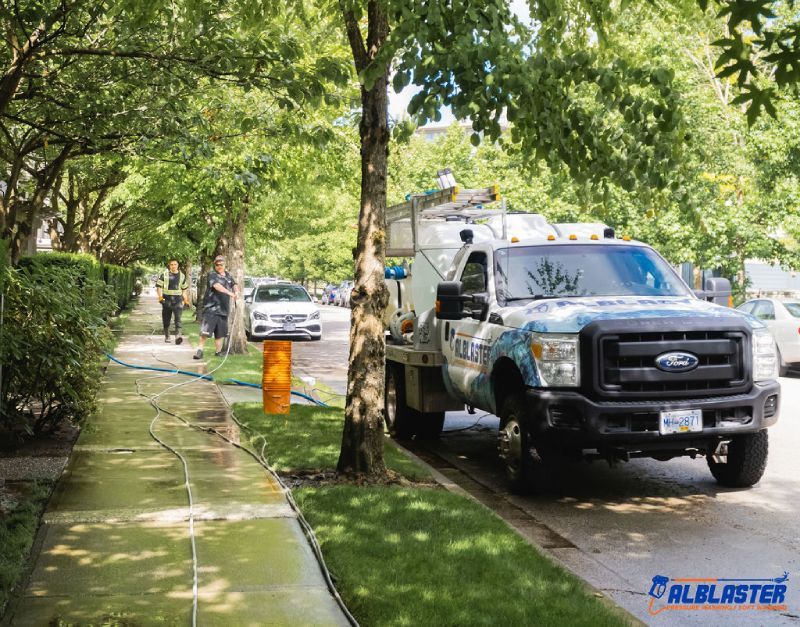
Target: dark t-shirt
{"x":216,"y":302}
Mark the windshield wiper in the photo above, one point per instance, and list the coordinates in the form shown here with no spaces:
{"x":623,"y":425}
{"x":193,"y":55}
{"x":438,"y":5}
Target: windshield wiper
{"x":534,"y":297}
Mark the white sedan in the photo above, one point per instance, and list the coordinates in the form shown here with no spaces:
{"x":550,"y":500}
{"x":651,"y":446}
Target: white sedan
{"x":281,"y":310}
{"x":782,"y":318}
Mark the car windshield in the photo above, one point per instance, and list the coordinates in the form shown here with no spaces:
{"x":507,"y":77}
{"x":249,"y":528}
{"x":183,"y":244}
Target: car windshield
{"x":279,"y":293}
{"x":793,"y":308}
{"x":533,"y":272}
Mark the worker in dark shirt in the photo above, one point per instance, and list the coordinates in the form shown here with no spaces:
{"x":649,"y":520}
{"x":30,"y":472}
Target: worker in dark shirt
{"x":171,"y":288}
{"x":216,"y":306}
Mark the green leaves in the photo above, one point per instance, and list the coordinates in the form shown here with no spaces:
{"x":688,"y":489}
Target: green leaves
{"x":756,"y":98}
{"x":763,"y":45}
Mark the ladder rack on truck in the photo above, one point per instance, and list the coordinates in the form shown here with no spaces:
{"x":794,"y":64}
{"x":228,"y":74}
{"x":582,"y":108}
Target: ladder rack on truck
{"x":439,"y":205}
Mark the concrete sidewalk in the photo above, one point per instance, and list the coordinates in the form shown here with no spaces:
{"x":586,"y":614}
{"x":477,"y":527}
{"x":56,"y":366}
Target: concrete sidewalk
{"x":114,"y":546}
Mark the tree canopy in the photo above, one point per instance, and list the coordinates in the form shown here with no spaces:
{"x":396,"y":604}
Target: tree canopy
{"x":192,"y":126}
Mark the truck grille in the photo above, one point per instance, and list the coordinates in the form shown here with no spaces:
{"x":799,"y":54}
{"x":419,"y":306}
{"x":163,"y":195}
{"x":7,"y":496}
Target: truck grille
{"x":624,"y":363}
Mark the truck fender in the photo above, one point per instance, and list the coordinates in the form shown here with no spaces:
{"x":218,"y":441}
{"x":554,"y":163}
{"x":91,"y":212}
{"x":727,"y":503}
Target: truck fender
{"x":507,"y":380}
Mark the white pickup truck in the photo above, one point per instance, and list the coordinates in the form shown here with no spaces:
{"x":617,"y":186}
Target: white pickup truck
{"x":584,"y":344}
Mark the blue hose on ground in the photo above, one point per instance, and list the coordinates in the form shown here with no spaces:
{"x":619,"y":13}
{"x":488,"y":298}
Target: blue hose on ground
{"x":209,"y":378}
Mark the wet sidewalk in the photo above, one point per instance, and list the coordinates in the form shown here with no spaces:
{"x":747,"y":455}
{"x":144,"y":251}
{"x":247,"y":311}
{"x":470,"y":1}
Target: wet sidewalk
{"x":115,"y":545}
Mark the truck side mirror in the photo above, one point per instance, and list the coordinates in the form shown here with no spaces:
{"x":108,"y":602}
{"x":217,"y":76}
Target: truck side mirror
{"x":450,"y":300}
{"x":480,"y":304}
{"x":248,"y":298}
{"x":718,"y":291}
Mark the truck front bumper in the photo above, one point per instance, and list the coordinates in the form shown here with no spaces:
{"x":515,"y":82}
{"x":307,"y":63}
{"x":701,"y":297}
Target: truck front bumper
{"x":571,"y":417}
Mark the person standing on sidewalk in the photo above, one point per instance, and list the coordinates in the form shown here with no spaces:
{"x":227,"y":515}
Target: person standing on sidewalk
{"x":172,"y":291}
{"x":216,"y":306}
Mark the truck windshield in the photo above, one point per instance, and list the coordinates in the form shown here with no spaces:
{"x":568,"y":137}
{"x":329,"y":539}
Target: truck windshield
{"x":534,"y":272}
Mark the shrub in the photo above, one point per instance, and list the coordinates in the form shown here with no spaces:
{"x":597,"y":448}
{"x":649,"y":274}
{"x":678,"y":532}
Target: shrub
{"x":118,"y":278}
{"x":53,"y":334}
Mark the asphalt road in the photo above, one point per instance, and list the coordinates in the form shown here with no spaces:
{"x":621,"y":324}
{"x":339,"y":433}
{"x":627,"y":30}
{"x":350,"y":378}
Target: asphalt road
{"x":622,"y":526}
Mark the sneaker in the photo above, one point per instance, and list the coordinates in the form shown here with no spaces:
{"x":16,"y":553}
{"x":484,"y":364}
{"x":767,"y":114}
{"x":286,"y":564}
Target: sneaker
{"x":198,"y":354}
{"x":219,"y":354}
{"x":166,"y":339}
{"x":178,"y":340}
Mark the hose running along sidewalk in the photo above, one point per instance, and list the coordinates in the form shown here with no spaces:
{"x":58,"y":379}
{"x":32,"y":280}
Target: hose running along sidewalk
{"x":117,"y":538}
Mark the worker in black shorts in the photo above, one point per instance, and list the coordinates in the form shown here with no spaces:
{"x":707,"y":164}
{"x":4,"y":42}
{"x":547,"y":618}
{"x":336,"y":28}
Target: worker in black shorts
{"x":172,"y":291}
{"x":216,"y":306}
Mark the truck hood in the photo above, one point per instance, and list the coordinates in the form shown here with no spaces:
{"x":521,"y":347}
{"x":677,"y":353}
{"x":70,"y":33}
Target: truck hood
{"x":570,"y":315}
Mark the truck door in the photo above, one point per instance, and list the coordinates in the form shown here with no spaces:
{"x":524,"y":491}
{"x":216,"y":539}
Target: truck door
{"x":466,"y":344}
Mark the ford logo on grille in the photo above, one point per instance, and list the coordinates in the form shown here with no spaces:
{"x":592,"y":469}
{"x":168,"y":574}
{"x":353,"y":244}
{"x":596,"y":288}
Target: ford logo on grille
{"x":676,"y":362}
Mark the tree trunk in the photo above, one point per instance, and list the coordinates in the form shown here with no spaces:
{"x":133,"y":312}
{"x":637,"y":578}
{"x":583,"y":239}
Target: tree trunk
{"x":9,"y":83}
{"x":202,"y":284}
{"x":21,"y":229}
{"x":362,"y":437}
{"x":235,"y":259}
{"x":230,"y":244}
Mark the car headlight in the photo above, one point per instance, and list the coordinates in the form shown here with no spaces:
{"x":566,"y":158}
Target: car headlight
{"x":765,"y":358}
{"x":257,"y":315}
{"x":557,"y":359}
{"x":314,"y":315}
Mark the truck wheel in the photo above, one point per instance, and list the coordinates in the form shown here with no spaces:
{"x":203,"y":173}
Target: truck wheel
{"x":525,"y":474}
{"x":400,"y":418}
{"x":744,"y":462}
{"x":429,"y":425}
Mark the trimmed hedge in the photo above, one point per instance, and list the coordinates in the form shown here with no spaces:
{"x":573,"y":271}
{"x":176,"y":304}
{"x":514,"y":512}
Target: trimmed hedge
{"x":120,"y":279}
{"x":53,"y":336}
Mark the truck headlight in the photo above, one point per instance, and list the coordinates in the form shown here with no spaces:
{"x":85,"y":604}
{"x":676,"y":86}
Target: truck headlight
{"x":260,"y":316}
{"x":557,"y":359}
{"x":314,"y":315}
{"x":765,"y":357}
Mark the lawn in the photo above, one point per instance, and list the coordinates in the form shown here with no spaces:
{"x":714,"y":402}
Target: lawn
{"x":421,"y":556}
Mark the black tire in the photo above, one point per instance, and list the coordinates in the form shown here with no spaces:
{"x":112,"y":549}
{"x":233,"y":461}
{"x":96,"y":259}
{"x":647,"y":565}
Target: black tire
{"x":745,"y":461}
{"x":429,"y":425}
{"x":526,"y":472}
{"x":248,"y":335}
{"x":401,"y":420}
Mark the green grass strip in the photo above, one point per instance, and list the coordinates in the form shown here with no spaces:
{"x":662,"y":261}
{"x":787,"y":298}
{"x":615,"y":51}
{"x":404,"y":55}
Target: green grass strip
{"x":309,"y":438}
{"x":17,"y":529}
{"x":420,"y":556}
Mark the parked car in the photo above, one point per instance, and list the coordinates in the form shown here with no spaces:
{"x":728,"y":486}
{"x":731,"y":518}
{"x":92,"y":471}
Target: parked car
{"x":249,"y":286}
{"x":343,"y":294}
{"x":328,"y":294}
{"x":782,"y":318}
{"x":283,"y":310}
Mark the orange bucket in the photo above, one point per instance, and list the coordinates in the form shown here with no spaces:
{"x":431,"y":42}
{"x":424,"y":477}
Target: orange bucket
{"x":276,"y":382}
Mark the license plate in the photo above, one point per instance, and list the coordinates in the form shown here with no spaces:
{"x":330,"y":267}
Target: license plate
{"x":680,"y":421}
{"x":288,"y":326}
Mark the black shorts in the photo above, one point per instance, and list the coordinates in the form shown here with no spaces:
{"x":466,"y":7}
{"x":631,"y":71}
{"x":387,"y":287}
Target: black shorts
{"x":214,"y":324}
